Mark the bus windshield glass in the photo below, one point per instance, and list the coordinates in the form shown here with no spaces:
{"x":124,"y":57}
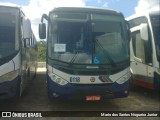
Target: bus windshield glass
{"x":110,"y":42}
{"x":87,"y":39}
{"x":155,"y":21}
{"x":9,"y":42}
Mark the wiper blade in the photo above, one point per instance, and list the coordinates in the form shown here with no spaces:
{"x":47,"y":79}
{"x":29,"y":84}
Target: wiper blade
{"x":107,"y":54}
{"x":74,"y":58}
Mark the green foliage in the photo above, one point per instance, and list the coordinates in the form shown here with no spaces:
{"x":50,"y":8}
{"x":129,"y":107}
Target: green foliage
{"x":42,"y":51}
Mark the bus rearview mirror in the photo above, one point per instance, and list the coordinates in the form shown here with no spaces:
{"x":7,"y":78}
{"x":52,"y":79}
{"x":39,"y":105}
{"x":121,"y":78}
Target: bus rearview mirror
{"x":42,"y":31}
{"x":27,"y":32}
{"x":144,"y":31}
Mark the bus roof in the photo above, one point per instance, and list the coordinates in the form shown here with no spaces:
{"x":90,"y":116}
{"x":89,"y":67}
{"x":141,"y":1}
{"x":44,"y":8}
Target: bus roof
{"x":12,"y":7}
{"x":87,"y":10}
{"x":153,"y":10}
{"x":16,"y":7}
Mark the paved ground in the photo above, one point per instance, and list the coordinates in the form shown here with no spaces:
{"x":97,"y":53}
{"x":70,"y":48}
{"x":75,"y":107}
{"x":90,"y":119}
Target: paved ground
{"x":35,"y":99}
{"x":41,"y":69}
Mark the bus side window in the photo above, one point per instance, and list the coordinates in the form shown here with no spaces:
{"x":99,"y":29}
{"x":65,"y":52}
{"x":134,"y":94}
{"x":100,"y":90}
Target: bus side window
{"x":26,"y":42}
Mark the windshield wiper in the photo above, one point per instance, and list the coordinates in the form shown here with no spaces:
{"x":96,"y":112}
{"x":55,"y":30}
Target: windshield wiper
{"x":74,"y":58}
{"x":107,"y":56}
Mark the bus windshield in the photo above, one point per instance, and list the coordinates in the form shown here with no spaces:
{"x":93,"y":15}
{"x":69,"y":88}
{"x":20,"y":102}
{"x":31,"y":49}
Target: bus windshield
{"x":9,"y":42}
{"x":94,"y":39}
{"x":155,"y":21}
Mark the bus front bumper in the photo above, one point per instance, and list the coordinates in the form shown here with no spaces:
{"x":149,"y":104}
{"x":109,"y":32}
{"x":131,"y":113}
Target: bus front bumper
{"x":80,"y":92}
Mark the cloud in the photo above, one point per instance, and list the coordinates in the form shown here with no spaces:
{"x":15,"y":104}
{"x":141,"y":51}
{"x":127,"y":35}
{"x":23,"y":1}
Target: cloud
{"x":105,"y":4}
{"x":36,"y":8}
{"x":144,"y":5}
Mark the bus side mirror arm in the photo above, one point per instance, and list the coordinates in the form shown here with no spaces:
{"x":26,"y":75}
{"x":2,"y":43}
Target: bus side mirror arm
{"x":44,"y":16}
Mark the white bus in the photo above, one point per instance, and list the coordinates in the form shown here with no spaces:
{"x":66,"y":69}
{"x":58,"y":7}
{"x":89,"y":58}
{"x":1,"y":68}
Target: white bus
{"x":18,"y":52}
{"x":145,"y":49}
{"x":87,"y":53}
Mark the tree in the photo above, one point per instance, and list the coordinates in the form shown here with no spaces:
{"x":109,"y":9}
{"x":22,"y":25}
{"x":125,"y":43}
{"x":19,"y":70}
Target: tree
{"x":41,"y":51}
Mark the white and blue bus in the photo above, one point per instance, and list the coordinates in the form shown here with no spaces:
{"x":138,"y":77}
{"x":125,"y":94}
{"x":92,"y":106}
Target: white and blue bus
{"x":18,"y":52}
{"x":145,"y":48}
{"x":87,"y":53}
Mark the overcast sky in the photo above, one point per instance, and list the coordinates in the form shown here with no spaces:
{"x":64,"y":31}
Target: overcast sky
{"x":35,"y":8}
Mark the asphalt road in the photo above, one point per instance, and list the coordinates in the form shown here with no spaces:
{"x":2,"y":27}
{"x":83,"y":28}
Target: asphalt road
{"x":35,"y":99}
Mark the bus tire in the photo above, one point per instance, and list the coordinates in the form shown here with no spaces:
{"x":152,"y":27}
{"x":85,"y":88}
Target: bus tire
{"x":35,"y":73}
{"x":19,"y":89}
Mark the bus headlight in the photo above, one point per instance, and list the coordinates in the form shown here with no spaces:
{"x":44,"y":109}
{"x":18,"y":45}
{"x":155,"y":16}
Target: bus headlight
{"x":57,"y":79}
{"x":9,"y":76}
{"x":124,"y":78}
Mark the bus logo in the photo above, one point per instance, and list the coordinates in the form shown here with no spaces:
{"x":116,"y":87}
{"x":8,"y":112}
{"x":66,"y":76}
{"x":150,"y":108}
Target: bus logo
{"x":92,"y":79}
{"x":6,"y":114}
{"x":104,"y":78}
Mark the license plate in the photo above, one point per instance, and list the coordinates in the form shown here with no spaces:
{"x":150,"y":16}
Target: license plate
{"x":92,"y":98}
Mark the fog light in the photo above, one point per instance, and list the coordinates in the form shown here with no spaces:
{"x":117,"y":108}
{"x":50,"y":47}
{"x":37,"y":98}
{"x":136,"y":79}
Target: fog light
{"x":55,"y":94}
{"x":126,"y":92}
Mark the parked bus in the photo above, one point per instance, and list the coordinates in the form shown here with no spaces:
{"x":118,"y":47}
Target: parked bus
{"x":87,"y":53}
{"x":18,"y":52}
{"x":145,"y":49}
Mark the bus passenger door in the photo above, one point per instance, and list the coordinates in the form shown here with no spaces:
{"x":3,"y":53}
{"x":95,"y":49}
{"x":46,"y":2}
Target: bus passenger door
{"x":138,"y":61}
